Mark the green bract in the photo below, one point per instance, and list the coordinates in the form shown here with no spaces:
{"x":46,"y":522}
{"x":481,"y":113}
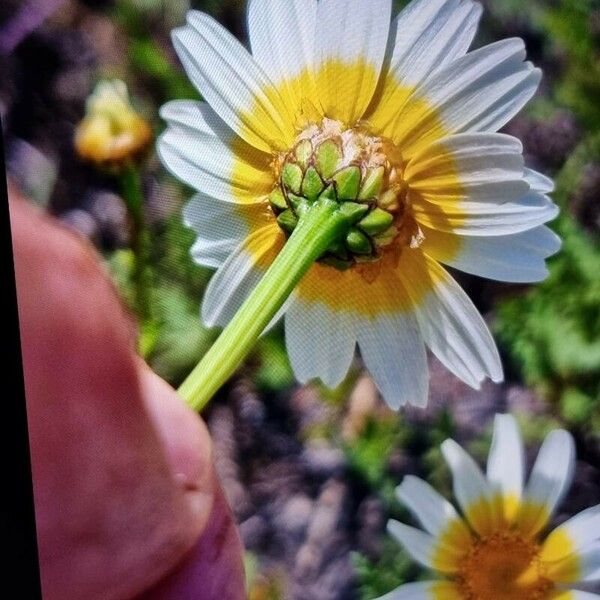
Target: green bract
{"x":317,"y":170}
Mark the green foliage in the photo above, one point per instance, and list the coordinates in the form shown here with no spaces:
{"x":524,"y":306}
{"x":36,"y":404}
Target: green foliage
{"x":369,"y":458}
{"x":553,"y":332}
{"x":172,"y":338}
{"x":569,"y":26}
{"x":274,"y":372}
{"x":178,"y":287}
{"x":338,"y":397}
{"x":380,"y":576}
{"x":368,"y":454}
{"x":170,"y":256}
{"x":148,"y":57}
{"x":181,"y":340}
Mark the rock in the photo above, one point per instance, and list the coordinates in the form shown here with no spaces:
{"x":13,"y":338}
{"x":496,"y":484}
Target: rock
{"x":322,"y":460}
{"x":294,"y":517}
{"x":110,"y":212}
{"x":363,"y":402}
{"x":371,"y":518}
{"x":522,"y":400}
{"x":335,"y":582}
{"x":222,"y":428}
{"x":308,"y":409}
{"x":254,"y":532}
{"x":82,"y":222}
{"x":34,"y":172}
{"x":276,"y":481}
{"x":328,"y":511}
{"x":547,"y":143}
{"x":249,"y":407}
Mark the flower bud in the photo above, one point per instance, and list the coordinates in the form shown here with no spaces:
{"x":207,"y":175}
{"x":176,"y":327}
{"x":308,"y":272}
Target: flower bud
{"x":353,"y":168}
{"x":112,"y":134}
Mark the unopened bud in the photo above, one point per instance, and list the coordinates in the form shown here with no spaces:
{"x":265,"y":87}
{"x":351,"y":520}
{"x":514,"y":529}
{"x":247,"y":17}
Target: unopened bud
{"x":112,"y":134}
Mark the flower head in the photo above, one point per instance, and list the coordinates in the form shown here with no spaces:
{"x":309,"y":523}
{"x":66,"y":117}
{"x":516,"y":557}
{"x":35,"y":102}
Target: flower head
{"x":395,"y":121}
{"x":494,"y":551}
{"x":112,"y":133}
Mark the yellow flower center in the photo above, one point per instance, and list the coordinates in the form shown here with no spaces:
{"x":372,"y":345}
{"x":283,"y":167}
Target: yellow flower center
{"x":503,"y":566}
{"x":363,"y":173}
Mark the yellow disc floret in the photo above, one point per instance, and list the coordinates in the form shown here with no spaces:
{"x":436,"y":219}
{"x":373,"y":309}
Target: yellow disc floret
{"x":503,"y":566}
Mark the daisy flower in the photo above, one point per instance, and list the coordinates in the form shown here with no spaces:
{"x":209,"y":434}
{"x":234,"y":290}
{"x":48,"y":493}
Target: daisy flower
{"x":395,"y":123}
{"x":495,"y":551}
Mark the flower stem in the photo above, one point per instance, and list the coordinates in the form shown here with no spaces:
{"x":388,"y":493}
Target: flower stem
{"x":131,"y":186}
{"x":318,"y":227}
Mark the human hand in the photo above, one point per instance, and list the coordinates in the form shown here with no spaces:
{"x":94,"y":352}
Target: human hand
{"x":126,"y":498}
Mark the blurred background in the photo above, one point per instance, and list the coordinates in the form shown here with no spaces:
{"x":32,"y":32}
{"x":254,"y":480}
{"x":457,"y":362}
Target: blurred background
{"x":309,"y":472}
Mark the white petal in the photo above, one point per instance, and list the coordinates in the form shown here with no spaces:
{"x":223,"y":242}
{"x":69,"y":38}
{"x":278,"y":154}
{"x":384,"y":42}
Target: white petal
{"x":506,"y":461}
{"x":429,"y":34}
{"x":550,"y":477}
{"x":196,"y":118}
{"x":235,"y":279}
{"x":470,"y":488}
{"x":490,"y":218}
{"x":320,"y":342}
{"x":518,"y":258}
{"x":420,"y":590}
{"x":451,"y":325}
{"x":469,"y":161}
{"x":420,"y":545}
{"x":220,"y":226}
{"x":282,"y":35}
{"x":482,"y":90}
{"x":431,"y":509}
{"x":479,"y":174}
{"x":231,"y":81}
{"x":581,"y":530}
{"x":589,"y":563}
{"x":279,"y":315}
{"x":351,"y":32}
{"x":539,"y":182}
{"x":394,"y":353}
{"x":475,"y":184}
{"x":206,"y":164}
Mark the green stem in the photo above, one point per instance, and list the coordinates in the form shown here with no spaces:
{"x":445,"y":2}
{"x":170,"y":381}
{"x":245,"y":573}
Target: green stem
{"x":318,"y":227}
{"x":131,"y":185}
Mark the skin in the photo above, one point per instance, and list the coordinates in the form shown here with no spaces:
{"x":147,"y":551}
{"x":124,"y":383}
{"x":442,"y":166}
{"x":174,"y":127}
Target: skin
{"x":127,"y":501}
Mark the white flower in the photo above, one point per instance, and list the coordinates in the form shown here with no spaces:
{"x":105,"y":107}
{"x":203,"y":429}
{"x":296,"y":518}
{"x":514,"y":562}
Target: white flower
{"x":494,"y":552}
{"x":399,"y":118}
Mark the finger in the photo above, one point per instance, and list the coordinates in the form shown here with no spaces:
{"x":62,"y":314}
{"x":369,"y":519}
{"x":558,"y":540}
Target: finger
{"x":110,"y":521}
{"x":213,"y":570}
{"x":185,"y":440}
